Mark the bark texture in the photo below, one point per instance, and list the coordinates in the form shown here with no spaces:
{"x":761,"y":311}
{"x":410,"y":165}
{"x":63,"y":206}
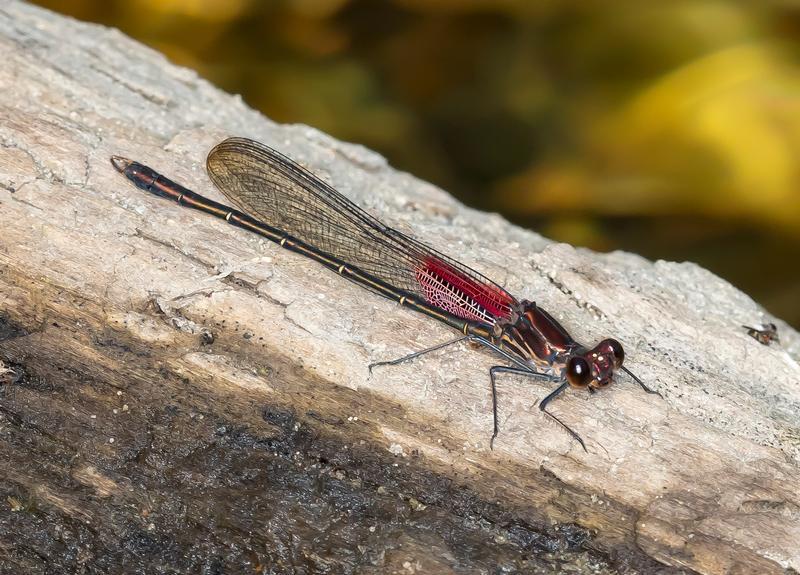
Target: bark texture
{"x":163,"y":373}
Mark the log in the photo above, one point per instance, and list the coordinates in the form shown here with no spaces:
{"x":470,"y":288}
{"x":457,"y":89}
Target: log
{"x":181,"y":396}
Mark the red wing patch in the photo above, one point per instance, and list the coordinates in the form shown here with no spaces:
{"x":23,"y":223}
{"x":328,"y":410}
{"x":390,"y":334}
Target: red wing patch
{"x":460,"y":294}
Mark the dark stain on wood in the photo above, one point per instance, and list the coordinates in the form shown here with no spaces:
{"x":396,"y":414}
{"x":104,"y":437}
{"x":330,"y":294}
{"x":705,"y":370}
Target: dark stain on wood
{"x":126,"y":464}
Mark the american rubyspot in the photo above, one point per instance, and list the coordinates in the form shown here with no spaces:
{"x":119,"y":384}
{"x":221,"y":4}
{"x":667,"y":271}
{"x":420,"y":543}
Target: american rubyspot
{"x":279,"y":200}
{"x":765,"y":334}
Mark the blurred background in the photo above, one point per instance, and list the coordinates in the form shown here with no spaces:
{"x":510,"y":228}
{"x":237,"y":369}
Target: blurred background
{"x":669,"y":129}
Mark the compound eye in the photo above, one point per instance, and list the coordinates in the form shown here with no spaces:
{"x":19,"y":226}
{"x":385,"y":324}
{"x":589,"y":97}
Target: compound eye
{"x":579,"y":374}
{"x":613,"y":347}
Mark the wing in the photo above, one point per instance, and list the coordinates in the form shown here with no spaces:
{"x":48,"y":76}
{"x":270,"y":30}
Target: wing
{"x":276,"y":190}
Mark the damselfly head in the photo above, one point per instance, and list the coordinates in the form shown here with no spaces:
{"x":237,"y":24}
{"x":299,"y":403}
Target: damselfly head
{"x":612,"y":348}
{"x":595,"y":368}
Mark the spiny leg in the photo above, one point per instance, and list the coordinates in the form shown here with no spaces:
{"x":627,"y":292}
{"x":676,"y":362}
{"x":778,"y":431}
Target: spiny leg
{"x":543,"y":404}
{"x":640,"y":382}
{"x":471,"y":337}
{"x":511,"y":358}
{"x":505,"y":369}
{"x":521,"y":368}
{"x":411,"y":356}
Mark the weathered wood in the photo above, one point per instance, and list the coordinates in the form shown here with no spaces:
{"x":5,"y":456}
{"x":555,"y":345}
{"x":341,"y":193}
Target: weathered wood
{"x":124,"y":425}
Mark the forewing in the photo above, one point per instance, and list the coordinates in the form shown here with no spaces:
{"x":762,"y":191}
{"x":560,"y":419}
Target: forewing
{"x":276,"y":190}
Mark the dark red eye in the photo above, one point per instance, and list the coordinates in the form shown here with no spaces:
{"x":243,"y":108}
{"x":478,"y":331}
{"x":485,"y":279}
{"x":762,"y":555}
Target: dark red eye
{"x":613,"y":347}
{"x":579,"y":374}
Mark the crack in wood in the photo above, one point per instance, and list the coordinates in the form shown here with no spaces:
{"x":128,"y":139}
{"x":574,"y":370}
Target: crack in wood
{"x":158,"y":241}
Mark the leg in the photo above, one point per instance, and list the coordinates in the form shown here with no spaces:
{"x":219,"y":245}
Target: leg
{"x":504,"y":369}
{"x":543,"y":404}
{"x":510,"y":357}
{"x":640,"y":382}
{"x":471,"y":337}
{"x":418,"y":353}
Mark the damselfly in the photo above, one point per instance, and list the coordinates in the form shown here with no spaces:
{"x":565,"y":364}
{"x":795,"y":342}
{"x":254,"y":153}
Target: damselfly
{"x":279,"y":200}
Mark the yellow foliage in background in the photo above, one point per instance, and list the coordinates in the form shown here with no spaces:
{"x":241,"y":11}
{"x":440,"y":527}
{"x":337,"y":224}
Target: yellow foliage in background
{"x":719,"y":136}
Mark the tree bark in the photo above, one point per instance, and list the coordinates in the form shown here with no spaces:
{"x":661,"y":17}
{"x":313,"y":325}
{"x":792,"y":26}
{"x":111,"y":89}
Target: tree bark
{"x":180,"y":395}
